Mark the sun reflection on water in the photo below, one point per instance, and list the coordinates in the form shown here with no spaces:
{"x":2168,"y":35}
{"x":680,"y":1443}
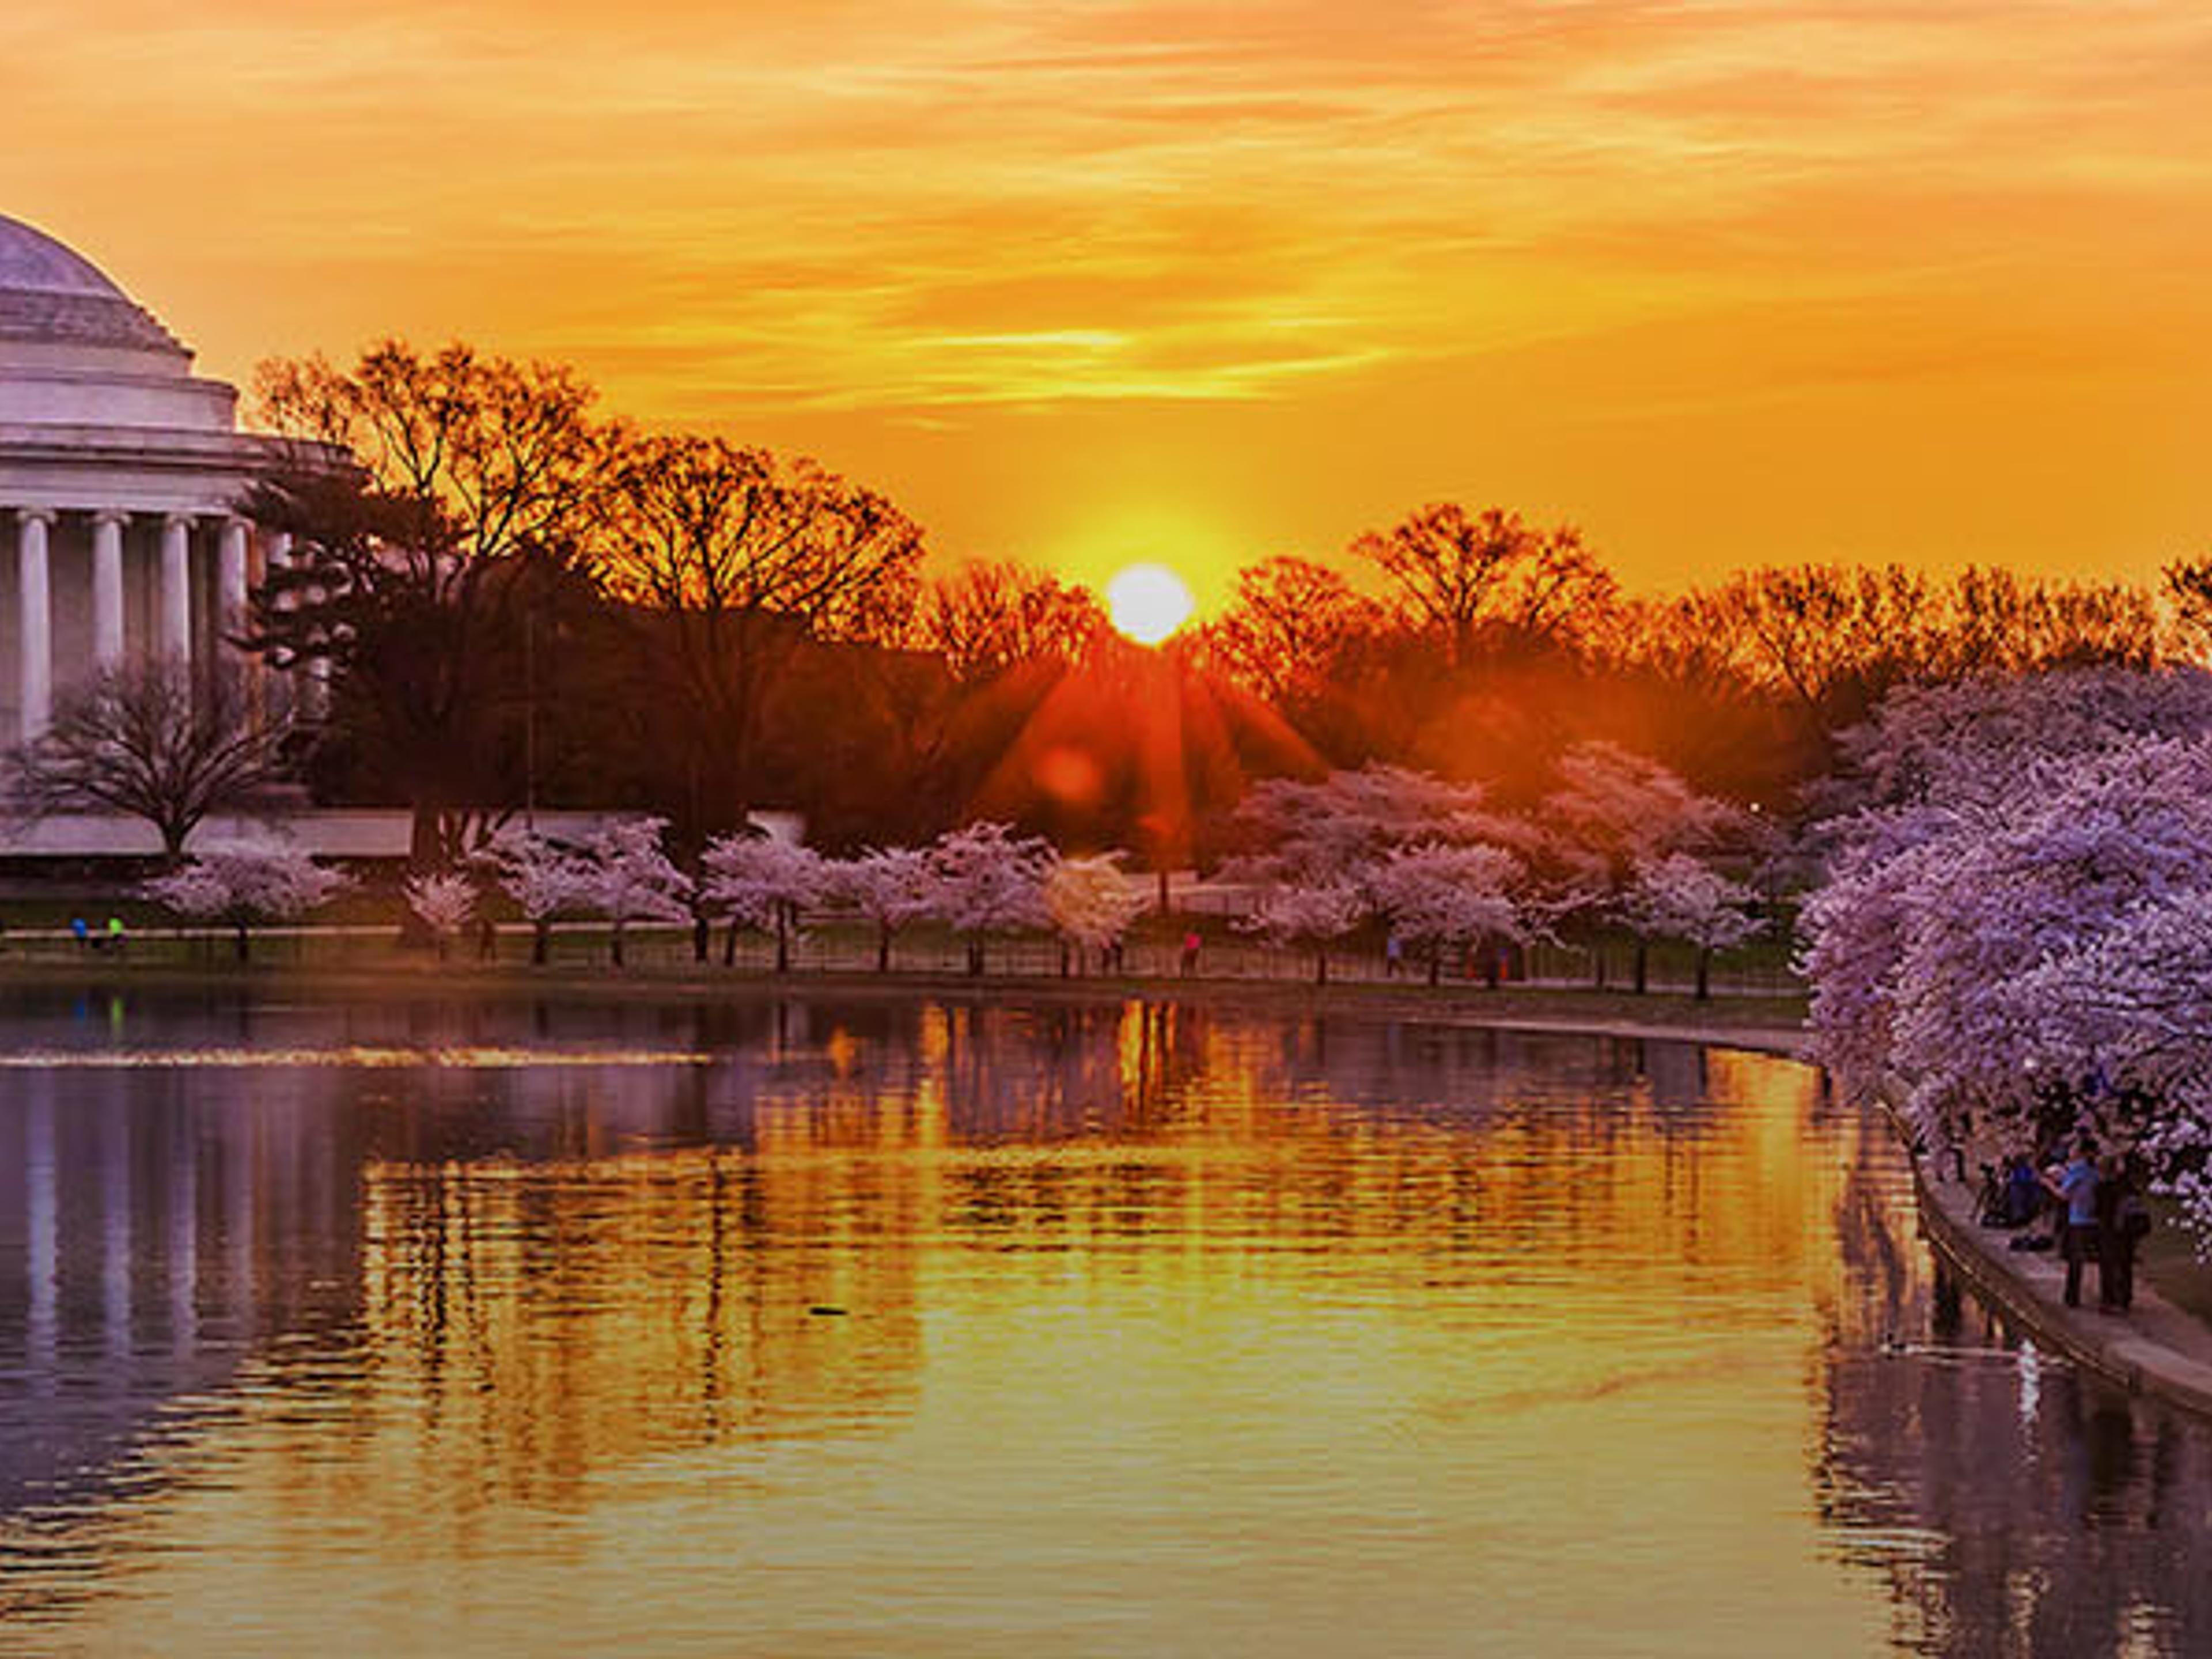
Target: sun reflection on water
{"x":966,"y":1329}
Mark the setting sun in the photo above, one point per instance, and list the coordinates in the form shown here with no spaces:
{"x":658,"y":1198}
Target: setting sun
{"x":1148,"y":602}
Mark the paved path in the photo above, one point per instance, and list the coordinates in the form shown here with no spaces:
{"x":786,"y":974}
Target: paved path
{"x":2156,"y":1348}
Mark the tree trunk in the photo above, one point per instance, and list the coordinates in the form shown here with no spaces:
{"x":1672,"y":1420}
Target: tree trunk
{"x":426,"y":840}
{"x":240,"y":927}
{"x":701,"y":934}
{"x":975,"y":958}
{"x":1436,"y":967}
{"x":1064,"y":969}
{"x":883,"y":949}
{"x":1597,"y":966}
{"x":1321,"y":967}
{"x":541,"y":941}
{"x":1490,"y":955}
{"x":1643,"y":965}
{"x":618,"y":942}
{"x":1705,"y":973}
{"x":730,"y":944}
{"x":782,"y":939}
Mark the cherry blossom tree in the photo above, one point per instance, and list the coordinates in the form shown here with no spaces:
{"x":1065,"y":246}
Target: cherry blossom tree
{"x":443,"y":902}
{"x":985,"y":879}
{"x":2082,"y":842}
{"x":1616,"y":803}
{"x":1853,"y":930}
{"x":1439,"y":899}
{"x":2133,"y":1010}
{"x":1338,"y":828}
{"x":1091,"y":902}
{"x":246,"y":880}
{"x":543,"y":877}
{"x":1962,"y":745}
{"x":892,"y":887}
{"x":626,"y":877}
{"x":758,"y":881}
{"x":1310,"y":916}
{"x":2015,"y":945}
{"x":1612,"y":812}
{"x":1678,"y":896}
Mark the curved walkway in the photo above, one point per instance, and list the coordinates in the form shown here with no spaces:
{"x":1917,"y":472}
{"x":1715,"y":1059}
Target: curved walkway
{"x":2153,"y":1349}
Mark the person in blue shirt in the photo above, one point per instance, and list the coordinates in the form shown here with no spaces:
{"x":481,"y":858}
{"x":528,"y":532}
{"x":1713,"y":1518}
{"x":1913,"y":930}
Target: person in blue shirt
{"x":81,"y":930}
{"x":2076,"y":1188}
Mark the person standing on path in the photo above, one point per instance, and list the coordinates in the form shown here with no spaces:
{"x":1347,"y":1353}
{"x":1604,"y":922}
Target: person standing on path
{"x":2076,"y":1188}
{"x":2122,"y":1219}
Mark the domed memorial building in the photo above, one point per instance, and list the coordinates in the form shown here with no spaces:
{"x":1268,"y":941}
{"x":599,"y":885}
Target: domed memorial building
{"x":120,"y":476}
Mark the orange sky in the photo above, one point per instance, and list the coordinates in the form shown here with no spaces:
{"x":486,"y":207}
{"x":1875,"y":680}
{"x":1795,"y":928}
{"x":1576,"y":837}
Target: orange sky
{"x":1089,"y":281}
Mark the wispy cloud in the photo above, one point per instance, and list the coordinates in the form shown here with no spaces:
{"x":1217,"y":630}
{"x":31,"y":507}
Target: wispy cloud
{"x":1407,"y":177}
{"x":920,"y":208}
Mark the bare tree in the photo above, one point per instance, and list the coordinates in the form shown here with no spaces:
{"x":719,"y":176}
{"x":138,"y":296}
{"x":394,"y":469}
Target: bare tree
{"x":737,"y":559}
{"x":1290,"y":624}
{"x":1475,"y":578}
{"x":2189,"y":586}
{"x":417,"y":572}
{"x":143,"y":741}
{"x":506,"y":453}
{"x":992,"y":616}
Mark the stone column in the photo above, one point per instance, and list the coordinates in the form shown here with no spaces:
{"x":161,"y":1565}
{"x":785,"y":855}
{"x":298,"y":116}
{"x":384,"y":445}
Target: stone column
{"x":314,"y":695}
{"x":175,"y":633}
{"x":35,"y":624}
{"x":107,"y":590}
{"x":280,"y":691}
{"x":276,"y":551}
{"x":230,"y":580}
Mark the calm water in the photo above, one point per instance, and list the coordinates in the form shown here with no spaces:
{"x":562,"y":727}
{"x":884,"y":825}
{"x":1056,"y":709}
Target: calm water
{"x":880,"y":1327}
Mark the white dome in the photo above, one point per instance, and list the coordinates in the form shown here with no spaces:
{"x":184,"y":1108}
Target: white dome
{"x":51,"y":296}
{"x":32,"y":262}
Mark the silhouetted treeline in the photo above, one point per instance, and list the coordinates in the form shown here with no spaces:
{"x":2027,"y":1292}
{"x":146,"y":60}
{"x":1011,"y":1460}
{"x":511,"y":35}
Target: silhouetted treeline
{"x":517,"y":601}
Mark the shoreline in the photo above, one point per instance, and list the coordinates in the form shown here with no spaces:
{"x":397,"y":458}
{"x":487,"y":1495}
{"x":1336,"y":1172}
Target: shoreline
{"x":1761,"y":1024}
{"x":2154,"y":1349}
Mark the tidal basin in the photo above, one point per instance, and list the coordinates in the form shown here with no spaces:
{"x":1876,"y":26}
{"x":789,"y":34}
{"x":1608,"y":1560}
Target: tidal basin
{"x":846,"y":1325}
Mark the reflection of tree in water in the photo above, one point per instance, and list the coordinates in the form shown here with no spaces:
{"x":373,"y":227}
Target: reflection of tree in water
{"x":551,"y":1302}
{"x":533,"y":1325}
{"x":481,"y":1289}
{"x":2013,"y":1505}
